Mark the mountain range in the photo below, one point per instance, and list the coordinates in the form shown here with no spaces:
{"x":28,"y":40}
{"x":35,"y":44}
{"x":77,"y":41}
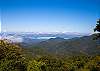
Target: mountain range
{"x":59,"y":46}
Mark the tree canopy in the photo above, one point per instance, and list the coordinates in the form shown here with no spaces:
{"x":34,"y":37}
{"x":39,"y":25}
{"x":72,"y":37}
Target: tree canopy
{"x":97,"y":28}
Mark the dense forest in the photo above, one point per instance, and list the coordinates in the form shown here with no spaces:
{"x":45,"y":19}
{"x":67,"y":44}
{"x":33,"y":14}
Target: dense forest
{"x":13,"y":57}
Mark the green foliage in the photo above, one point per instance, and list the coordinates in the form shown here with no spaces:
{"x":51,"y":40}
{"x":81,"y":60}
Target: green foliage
{"x":53,"y":64}
{"x":93,"y":64}
{"x":97,"y":28}
{"x":11,"y":58}
{"x":75,"y":63}
{"x":35,"y":65}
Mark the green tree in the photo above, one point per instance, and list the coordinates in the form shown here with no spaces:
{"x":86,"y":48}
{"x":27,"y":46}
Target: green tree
{"x":97,"y":28}
{"x":53,"y":63}
{"x":11,"y":58}
{"x":34,"y":65}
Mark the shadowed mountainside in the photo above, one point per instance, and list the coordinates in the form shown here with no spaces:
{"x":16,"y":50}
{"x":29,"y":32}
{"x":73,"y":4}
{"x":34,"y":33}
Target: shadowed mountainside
{"x":75,"y":46}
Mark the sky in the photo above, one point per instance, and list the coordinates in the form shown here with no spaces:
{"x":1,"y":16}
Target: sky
{"x":49,"y":15}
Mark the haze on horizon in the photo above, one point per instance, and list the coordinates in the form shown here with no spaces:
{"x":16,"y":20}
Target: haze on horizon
{"x":49,"y":15}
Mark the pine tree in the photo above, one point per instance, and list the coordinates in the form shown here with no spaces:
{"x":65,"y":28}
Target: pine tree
{"x":97,"y":28}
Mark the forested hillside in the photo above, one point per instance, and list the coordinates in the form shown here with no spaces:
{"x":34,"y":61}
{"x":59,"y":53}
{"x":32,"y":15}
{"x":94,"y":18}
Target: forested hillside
{"x":15,"y":58}
{"x":67,"y":47}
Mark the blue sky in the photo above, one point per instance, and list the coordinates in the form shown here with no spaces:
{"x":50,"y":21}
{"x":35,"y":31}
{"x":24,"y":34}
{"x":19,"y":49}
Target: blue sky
{"x":49,"y":15}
